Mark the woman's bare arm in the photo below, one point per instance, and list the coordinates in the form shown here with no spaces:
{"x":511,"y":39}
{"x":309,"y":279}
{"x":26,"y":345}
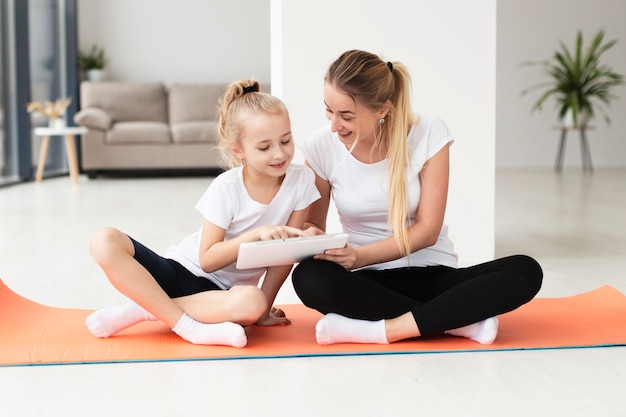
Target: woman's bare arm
{"x":423,"y":233}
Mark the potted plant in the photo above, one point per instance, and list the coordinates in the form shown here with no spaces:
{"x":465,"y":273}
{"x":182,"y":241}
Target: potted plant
{"x":92,"y":63}
{"x":578,"y":81}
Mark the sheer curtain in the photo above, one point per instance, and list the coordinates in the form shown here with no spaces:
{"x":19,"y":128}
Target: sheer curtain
{"x":38,"y":63}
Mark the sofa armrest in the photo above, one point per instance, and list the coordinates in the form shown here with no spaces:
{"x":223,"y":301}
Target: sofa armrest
{"x":93,"y":118}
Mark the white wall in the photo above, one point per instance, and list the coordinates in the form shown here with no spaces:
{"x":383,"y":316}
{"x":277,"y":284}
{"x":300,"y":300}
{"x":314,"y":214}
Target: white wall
{"x":449,"y":48}
{"x":182,"y":41}
{"x":531,"y":30}
{"x":210,"y":40}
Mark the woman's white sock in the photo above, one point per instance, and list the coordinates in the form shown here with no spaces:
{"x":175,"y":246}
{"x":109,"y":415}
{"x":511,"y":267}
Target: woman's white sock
{"x":333,"y":328}
{"x":483,"y":332}
{"x":226,"y":333}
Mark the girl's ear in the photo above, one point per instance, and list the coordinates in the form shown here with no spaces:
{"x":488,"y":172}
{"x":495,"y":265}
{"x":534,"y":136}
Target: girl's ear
{"x":236,"y":150}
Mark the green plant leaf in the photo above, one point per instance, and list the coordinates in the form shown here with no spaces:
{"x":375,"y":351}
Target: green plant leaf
{"x":94,"y":59}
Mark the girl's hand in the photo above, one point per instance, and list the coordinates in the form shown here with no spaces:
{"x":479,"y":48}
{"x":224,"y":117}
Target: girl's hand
{"x":276,"y":317}
{"x":277,"y":232}
{"x":347,"y":257}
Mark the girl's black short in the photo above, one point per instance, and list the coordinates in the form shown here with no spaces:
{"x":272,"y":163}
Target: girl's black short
{"x":175,"y":279}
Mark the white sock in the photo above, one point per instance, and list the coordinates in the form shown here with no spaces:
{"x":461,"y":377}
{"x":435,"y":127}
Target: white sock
{"x":226,"y":333}
{"x":333,"y":328}
{"x":483,"y":332}
{"x":110,"y":320}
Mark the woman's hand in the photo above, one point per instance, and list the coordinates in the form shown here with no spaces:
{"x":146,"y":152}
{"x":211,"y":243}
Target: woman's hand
{"x":276,"y":317}
{"x":347,"y":256}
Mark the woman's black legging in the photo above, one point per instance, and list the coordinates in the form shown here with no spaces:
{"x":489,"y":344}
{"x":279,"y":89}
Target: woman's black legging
{"x":439,"y":297}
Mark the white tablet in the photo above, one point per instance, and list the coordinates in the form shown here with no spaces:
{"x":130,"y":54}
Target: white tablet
{"x":265,"y":253}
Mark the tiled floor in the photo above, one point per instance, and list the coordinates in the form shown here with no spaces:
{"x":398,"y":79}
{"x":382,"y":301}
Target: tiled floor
{"x":572,"y":223}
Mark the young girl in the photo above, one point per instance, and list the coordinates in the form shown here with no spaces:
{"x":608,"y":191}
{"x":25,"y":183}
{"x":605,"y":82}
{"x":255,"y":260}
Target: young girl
{"x":196,"y":289}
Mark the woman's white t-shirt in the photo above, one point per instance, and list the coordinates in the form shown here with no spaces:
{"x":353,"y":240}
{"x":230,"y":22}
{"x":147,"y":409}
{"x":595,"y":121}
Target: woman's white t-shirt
{"x":227,"y":204}
{"x":360,"y":191}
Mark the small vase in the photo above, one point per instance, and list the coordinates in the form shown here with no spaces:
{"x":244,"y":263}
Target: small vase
{"x":58,"y":123}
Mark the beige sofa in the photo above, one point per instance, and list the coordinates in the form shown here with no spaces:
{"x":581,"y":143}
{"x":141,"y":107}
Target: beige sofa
{"x":148,"y":127}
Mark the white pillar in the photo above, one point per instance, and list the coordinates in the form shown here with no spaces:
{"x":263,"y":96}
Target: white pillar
{"x":449,"y":47}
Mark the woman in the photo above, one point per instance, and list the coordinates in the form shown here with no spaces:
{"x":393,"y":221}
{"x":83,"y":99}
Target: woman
{"x":387,"y":172}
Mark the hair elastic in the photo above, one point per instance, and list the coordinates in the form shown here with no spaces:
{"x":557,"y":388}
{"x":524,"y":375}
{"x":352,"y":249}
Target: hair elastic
{"x":249,"y":89}
{"x":390,"y":65}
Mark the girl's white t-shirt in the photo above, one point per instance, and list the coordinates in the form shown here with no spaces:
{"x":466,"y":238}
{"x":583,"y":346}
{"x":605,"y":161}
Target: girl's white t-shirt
{"x":227,"y":204}
{"x":360,"y":191}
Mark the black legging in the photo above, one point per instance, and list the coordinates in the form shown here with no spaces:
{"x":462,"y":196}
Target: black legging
{"x":439,"y":297}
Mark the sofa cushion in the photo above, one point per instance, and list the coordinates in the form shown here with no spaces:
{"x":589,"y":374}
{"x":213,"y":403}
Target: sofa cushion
{"x":195,"y":132}
{"x":125,"y":101}
{"x":139,"y":132}
{"x":93,"y":118}
{"x":194,"y":102}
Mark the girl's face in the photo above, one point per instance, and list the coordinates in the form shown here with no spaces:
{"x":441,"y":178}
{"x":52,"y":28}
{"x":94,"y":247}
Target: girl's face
{"x":266,"y":145}
{"x":342,"y":112}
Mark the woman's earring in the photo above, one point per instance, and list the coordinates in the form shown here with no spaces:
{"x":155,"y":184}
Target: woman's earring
{"x":382,"y":121}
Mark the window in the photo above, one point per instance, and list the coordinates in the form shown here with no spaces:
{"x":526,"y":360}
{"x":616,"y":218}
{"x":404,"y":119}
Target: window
{"x":38,"y":64}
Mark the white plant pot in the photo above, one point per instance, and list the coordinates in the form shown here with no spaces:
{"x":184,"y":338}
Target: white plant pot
{"x":568,"y":119}
{"x":96,"y":75}
{"x":57,"y":123}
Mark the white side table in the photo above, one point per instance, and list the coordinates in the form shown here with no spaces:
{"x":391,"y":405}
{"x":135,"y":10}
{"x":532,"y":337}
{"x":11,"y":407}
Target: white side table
{"x":70,"y":147}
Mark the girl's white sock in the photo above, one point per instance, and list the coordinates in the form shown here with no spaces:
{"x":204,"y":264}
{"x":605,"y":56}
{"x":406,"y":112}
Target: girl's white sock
{"x":226,"y":333}
{"x":483,"y":332}
{"x":333,"y":328}
{"x":110,"y":320}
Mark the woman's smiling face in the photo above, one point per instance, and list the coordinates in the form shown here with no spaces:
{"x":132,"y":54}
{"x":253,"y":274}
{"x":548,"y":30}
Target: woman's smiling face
{"x":341,"y":110}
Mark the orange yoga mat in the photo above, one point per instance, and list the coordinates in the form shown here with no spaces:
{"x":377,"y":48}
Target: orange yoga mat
{"x":35,"y":334}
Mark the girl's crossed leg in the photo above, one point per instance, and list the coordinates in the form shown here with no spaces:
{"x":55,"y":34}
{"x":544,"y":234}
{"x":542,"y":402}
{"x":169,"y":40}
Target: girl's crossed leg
{"x":197,"y":310}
